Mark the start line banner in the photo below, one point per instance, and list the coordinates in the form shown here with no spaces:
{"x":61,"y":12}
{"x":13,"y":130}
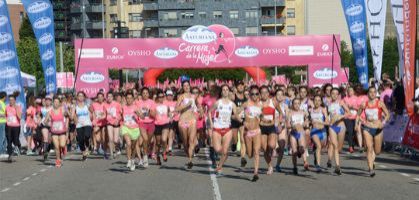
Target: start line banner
{"x":214,"y":46}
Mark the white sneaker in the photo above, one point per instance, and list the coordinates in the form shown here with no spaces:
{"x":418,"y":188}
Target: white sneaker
{"x":132,"y":167}
{"x":145,"y":161}
{"x":118,"y":153}
{"x":307,"y":155}
{"x":2,"y":156}
{"x":140,"y":163}
{"x":129,"y":164}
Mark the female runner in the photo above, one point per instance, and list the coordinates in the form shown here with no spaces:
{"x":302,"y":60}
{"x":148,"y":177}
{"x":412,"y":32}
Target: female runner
{"x":319,"y":118}
{"x":160,"y":112}
{"x":113,"y":119}
{"x":45,"y":126}
{"x":99,"y":123}
{"x":82,"y":118}
{"x":130,"y":130}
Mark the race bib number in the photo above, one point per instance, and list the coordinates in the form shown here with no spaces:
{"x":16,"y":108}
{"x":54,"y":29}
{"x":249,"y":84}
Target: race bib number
{"x":57,"y":126}
{"x":354,"y":112}
{"x":112,"y":112}
{"x":99,"y":114}
{"x":268,"y":117}
{"x":12,"y":119}
{"x":372,"y":114}
{"x":145,"y":111}
{"x":129,"y":119}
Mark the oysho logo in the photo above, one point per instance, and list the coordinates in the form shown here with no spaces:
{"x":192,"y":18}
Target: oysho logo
{"x":247,"y":52}
{"x":356,"y":27}
{"x":42,"y":22}
{"x":7,"y":54}
{"x":5,"y":37}
{"x":325,"y":73}
{"x":38,"y":7}
{"x":354,"y":9}
{"x":92,"y":77}
{"x":199,"y":35}
{"x":115,"y":50}
{"x":46,"y":38}
{"x":50,"y":70}
{"x":48,"y":55}
{"x":166,"y":53}
{"x":8,"y":72}
{"x":3,"y":20}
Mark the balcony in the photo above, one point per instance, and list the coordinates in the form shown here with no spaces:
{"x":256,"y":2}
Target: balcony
{"x":96,"y":25}
{"x":176,"y":4}
{"x":90,"y":8}
{"x":270,"y":20}
{"x":178,"y":22}
{"x":150,"y":5}
{"x":151,"y":23}
{"x":271,"y":3}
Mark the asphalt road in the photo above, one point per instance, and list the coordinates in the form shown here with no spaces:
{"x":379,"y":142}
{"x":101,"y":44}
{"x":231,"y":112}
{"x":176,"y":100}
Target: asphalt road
{"x":29,"y":178}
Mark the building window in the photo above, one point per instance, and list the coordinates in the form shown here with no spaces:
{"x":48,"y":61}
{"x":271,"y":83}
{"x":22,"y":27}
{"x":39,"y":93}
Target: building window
{"x":290,"y":12}
{"x":235,"y":31}
{"x":251,"y":14}
{"x":113,"y":17}
{"x":218,"y":14}
{"x":170,"y":16}
{"x":251,"y":30}
{"x":291,"y":30}
{"x":234,"y":14}
{"x":202,"y":15}
{"x":134,"y":2}
{"x":134,"y":17}
{"x":170,"y":32}
{"x":21,"y":17}
{"x":113,"y":2}
{"x":135,"y":33}
{"x":186,"y":15}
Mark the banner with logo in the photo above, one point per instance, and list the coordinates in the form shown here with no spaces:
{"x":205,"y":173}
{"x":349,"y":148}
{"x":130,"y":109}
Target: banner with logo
{"x":397,"y":11}
{"x":411,"y":135}
{"x":319,"y":75}
{"x":376,"y":19}
{"x":355,"y":18}
{"x":214,"y":46}
{"x":394,"y":130}
{"x":10,"y":78}
{"x":409,"y":27}
{"x":92,"y":80}
{"x":65,"y":80}
{"x":41,"y":15}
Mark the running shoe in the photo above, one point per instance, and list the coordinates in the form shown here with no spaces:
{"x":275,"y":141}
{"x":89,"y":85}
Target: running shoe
{"x":278,"y":168}
{"x":57,"y":163}
{"x":372,"y":173}
{"x":295,"y":171}
{"x":165,"y":157}
{"x":286,"y":152}
{"x":219,"y":173}
{"x":84,"y":158}
{"x":243,"y":162}
{"x":233,"y":147}
{"x":132,"y":167}
{"x":270,"y":170}
{"x":30,"y":153}
{"x":318,"y":168}
{"x":213,"y":164}
{"x":373,"y":166}
{"x":255,"y":178}
{"x":338,"y":171}
{"x":118,"y":153}
{"x":9,"y":159}
{"x":351,"y":149}
{"x":129,"y":164}
{"x":45,"y":156}
{"x":153,"y":156}
{"x":140,"y":163}
{"x":196,"y":149}
{"x":361,"y":150}
{"x":329,"y":164}
{"x":158,"y":160}
{"x":145,"y":161}
{"x":190,"y":165}
{"x":4,"y":156}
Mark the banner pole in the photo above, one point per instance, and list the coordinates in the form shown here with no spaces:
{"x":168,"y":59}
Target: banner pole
{"x":78,"y":64}
{"x":333,"y":59}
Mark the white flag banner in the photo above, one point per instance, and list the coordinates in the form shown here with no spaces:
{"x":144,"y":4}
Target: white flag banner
{"x":376,"y":20}
{"x":397,"y":11}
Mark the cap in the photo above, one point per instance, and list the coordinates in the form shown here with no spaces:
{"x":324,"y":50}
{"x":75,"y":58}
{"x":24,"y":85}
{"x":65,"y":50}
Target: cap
{"x":48,"y":97}
{"x":169,"y":92}
{"x":38,"y":101}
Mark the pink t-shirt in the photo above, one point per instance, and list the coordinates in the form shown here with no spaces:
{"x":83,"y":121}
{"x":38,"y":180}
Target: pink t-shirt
{"x":58,"y":124}
{"x":353,"y":105}
{"x":11,"y":116}
{"x":162,"y":113}
{"x":207,"y":103}
{"x":99,"y":114}
{"x":113,"y":112}
{"x":30,"y":117}
{"x":144,"y":107}
{"x":387,"y":92}
{"x":130,"y":119}
{"x":172,"y":106}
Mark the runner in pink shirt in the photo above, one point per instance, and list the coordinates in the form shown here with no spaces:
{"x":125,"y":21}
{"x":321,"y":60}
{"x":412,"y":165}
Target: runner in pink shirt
{"x":161,"y":114}
{"x":174,"y":118}
{"x":362,"y":97}
{"x":130,"y":129}
{"x":99,"y":123}
{"x":351,"y":100}
{"x":13,"y":117}
{"x":113,"y":119}
{"x":146,"y":123}
{"x":30,"y":124}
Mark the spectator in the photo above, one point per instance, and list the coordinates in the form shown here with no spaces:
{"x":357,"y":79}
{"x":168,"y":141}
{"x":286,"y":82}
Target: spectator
{"x":2,"y":125}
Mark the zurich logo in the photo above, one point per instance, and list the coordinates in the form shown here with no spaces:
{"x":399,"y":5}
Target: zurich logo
{"x":115,"y":50}
{"x":46,"y":38}
{"x":247,"y":52}
{"x":37,"y":7}
{"x":48,"y":55}
{"x":356,"y":27}
{"x":92,"y":77}
{"x":325,"y":73}
{"x":166,"y":53}
{"x":50,"y":70}
{"x":325,"y":47}
{"x":3,"y":20}
{"x":6,"y":55}
{"x":5,"y":37}
{"x":42,"y":22}
{"x":199,"y":35}
{"x":8,"y":72}
{"x":354,"y":9}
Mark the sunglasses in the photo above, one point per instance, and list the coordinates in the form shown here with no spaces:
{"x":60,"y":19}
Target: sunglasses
{"x":254,"y":94}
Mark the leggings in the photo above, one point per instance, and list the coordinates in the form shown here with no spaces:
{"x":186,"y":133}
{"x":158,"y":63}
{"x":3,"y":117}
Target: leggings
{"x":83,"y":136}
{"x":12,"y":136}
{"x":350,"y":130}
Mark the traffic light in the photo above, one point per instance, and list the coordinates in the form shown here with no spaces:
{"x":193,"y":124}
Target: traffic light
{"x":119,"y":31}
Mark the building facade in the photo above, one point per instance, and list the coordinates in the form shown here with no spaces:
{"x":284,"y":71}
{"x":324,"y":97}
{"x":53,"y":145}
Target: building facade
{"x":62,"y":20}
{"x":17,"y":13}
{"x":87,"y":18}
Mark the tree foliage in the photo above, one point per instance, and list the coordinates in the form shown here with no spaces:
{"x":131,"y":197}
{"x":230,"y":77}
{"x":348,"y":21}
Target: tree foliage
{"x":26,"y":29}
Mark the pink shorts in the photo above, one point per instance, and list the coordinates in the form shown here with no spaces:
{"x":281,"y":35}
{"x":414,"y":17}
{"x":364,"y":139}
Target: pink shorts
{"x":149,"y":127}
{"x":200,"y":124}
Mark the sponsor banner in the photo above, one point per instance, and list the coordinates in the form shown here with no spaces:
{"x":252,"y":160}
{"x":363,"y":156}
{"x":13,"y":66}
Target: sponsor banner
{"x":214,"y":46}
{"x":10,"y":77}
{"x":409,"y":27}
{"x":91,"y":80}
{"x":376,"y":20}
{"x":65,"y":80}
{"x":411,"y":135}
{"x":397,"y":11}
{"x":394,"y":130}
{"x":355,"y":18}
{"x":319,"y":74}
{"x":40,"y":14}
{"x":281,"y":79}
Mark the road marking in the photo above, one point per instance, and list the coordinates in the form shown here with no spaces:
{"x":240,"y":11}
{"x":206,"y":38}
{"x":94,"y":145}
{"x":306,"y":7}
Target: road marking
{"x":215,"y":187}
{"x":34,"y":174}
{"x":27,"y":178}
{"x":416,"y":179}
{"x":43,"y":170}
{"x":383,"y":166}
{"x":404,"y":174}
{"x":17,"y":183}
{"x":5,"y":190}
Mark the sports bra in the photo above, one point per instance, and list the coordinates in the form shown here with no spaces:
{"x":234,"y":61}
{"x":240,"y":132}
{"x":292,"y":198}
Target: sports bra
{"x":297,"y":119}
{"x":268,"y":112}
{"x":253,"y":111}
{"x":317,"y":116}
{"x":335,"y":109}
{"x":222,"y":116}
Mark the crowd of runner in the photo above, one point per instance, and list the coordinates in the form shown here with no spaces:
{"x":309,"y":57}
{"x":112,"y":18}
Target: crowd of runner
{"x":147,"y":124}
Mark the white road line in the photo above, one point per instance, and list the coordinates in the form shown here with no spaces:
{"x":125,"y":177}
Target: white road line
{"x":43,"y":170}
{"x":17,"y":183}
{"x":5,"y":190}
{"x":27,"y":178}
{"x":404,"y":174}
{"x":34,"y":174}
{"x":416,"y":179}
{"x":382,"y":166}
{"x":215,"y":187}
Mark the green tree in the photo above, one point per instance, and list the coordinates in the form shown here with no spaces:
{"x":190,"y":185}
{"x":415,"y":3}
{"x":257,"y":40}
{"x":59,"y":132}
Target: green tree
{"x":29,"y":60}
{"x":26,"y":29}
